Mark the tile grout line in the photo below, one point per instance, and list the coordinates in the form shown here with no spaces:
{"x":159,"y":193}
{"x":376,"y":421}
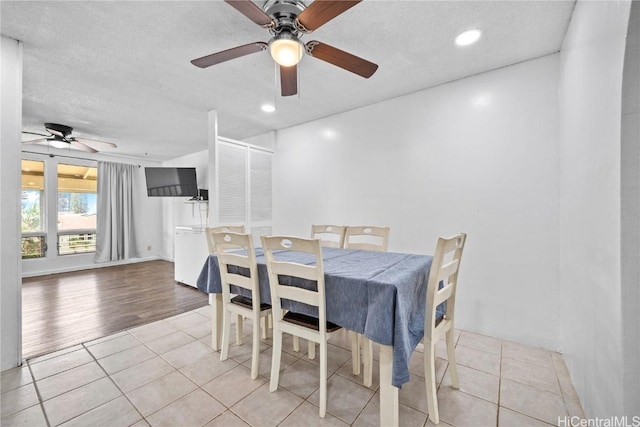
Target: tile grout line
{"x":40,"y":401}
{"x":474,"y":369}
{"x":289,"y":414}
{"x":500,"y":389}
{"x":564,"y":401}
{"x":114,"y":383}
{"x":499,"y":384}
{"x":348,"y":361}
{"x":41,"y":355}
{"x":335,"y":416}
{"x":502,"y":358}
{"x":176,"y":370}
{"x":198,"y":387}
{"x":66,"y":371}
{"x":367,"y":404}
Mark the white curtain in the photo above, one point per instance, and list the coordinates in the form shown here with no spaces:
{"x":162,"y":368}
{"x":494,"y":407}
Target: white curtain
{"x":115,"y":238}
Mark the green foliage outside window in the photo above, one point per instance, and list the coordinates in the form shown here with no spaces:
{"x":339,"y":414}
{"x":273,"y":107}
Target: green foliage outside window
{"x":33,"y":247}
{"x":31,"y":219}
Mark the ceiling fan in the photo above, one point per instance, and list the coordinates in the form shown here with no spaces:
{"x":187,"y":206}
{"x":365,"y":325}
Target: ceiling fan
{"x":60,"y":137}
{"x":288,"y":21}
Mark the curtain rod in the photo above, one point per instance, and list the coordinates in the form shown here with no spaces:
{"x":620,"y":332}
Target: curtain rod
{"x":62,"y":155}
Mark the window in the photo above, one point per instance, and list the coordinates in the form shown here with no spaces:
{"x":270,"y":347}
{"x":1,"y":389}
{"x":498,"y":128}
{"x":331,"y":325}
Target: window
{"x":33,"y":212}
{"x":77,"y":198}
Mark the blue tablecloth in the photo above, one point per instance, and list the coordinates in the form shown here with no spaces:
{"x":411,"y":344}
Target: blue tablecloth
{"x":379,"y":294}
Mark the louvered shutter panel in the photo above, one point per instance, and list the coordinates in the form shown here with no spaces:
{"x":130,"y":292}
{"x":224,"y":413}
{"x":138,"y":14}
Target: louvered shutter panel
{"x":260,"y":190}
{"x":232,"y":184}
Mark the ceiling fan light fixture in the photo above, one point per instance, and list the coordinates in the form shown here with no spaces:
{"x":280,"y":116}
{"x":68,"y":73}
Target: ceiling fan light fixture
{"x":286,"y":50}
{"x":58,"y":143}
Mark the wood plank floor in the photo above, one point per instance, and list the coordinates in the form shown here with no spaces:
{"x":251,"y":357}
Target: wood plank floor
{"x":61,"y":310}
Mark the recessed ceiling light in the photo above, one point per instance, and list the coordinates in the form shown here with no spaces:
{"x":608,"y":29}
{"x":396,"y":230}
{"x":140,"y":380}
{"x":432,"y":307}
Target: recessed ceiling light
{"x":482,"y":100}
{"x":468,"y":37}
{"x":268,"y":108}
{"x":329,"y":133}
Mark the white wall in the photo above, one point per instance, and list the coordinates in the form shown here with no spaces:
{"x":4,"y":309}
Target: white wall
{"x":177,"y":210}
{"x":477,"y":155}
{"x":590,"y":102}
{"x":630,"y":192}
{"x":149,"y":223}
{"x":266,"y":140}
{"x":10,"y":268}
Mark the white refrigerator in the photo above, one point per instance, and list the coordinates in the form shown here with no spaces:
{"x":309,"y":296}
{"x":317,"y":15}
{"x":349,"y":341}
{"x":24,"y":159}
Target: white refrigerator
{"x":191,"y":252}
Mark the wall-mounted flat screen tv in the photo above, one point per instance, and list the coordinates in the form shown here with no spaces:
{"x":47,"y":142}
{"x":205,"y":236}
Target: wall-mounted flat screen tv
{"x":171,"y":182}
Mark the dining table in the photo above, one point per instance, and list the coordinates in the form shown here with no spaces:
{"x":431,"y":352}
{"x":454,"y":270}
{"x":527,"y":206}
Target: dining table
{"x":381,"y":295}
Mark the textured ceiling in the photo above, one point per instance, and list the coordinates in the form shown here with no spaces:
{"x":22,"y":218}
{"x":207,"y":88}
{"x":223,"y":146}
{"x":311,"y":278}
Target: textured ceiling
{"x":120,"y":71}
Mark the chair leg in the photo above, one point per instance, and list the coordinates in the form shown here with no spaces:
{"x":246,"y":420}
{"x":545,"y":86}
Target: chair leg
{"x":275,"y":358}
{"x":296,"y":344}
{"x":451,"y":355}
{"x":430,"y":380}
{"x":255,"y":351}
{"x":323,"y":378}
{"x":263,"y":326}
{"x":355,"y":352}
{"x":311,"y":349}
{"x":239,"y":330}
{"x":367,"y":357}
{"x":226,"y":332}
{"x":217,"y":311}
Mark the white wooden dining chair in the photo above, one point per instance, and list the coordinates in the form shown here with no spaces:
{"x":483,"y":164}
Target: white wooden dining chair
{"x":313,"y":329}
{"x":227,"y":245}
{"x":441,"y":287}
{"x":331,"y":236}
{"x":209,"y":231}
{"x":368,"y":238}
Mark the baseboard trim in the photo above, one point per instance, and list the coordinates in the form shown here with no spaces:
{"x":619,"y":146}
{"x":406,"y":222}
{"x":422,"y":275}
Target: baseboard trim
{"x":94,"y":266}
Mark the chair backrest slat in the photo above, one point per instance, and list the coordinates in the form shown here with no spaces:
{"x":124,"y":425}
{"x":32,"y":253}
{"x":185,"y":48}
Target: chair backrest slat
{"x":448,"y":269}
{"x":443,"y":294}
{"x":237,"y":259}
{"x":299,"y":294}
{"x":245,"y":282}
{"x":210,"y":231}
{"x":368,"y":238}
{"x":331,"y":236}
{"x":307,"y":272}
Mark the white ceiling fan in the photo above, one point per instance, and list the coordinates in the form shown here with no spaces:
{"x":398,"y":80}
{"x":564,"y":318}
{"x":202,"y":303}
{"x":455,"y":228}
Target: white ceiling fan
{"x":288,"y":21}
{"x":60,"y":137}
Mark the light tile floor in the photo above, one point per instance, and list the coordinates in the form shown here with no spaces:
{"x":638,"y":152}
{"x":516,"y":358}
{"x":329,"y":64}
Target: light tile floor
{"x":165,"y":374}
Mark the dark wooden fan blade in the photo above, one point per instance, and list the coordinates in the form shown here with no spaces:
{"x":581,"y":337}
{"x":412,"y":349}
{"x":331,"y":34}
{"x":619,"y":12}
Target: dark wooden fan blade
{"x":35,"y":133}
{"x":253,"y":12}
{"x":35,"y":141}
{"x":342,"y":59}
{"x":289,"y":80}
{"x":322,"y":11}
{"x":80,"y":146}
{"x":95,"y":144}
{"x":226,"y":55}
